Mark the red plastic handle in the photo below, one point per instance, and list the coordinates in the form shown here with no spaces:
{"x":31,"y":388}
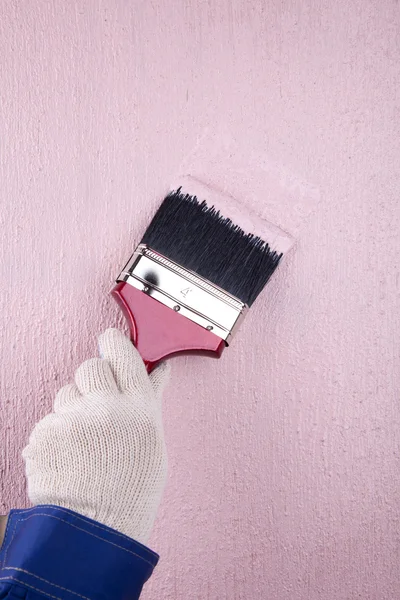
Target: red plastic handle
{"x":158,"y":332}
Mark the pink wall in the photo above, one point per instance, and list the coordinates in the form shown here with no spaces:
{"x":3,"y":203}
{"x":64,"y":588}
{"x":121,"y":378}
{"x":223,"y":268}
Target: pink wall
{"x":284,"y":456}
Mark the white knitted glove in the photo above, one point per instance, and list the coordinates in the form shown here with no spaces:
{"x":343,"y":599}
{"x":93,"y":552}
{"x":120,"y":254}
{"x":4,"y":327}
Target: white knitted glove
{"x":101,"y":453}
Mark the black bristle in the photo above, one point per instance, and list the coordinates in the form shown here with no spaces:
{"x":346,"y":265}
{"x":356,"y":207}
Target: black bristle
{"x":198,"y":238}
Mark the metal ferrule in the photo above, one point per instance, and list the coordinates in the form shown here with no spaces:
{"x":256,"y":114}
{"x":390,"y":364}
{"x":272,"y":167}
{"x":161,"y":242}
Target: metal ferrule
{"x":184,"y":291}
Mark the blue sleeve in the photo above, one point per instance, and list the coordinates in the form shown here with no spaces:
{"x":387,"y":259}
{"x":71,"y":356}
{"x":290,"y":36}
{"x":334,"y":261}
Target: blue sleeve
{"x":52,"y":552}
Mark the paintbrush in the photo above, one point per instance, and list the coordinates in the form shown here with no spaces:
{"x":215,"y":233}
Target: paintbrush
{"x":200,"y":265}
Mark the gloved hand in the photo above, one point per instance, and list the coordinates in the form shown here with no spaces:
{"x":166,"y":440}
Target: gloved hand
{"x":102,"y":453}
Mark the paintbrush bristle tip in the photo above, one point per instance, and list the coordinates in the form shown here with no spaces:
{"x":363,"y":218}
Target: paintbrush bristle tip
{"x":190,"y":229}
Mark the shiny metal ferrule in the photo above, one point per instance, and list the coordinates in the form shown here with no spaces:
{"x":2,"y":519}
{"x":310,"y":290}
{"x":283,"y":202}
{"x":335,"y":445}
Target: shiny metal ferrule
{"x":184,"y":291}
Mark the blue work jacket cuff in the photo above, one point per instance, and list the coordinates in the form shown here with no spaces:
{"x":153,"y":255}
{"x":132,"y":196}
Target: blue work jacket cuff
{"x":58,"y":553}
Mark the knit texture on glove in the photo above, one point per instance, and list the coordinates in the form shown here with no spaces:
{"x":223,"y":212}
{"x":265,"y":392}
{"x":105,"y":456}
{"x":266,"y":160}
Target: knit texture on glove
{"x":102,"y":452}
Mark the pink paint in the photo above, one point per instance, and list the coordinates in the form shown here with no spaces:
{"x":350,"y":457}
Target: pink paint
{"x":284,"y":454}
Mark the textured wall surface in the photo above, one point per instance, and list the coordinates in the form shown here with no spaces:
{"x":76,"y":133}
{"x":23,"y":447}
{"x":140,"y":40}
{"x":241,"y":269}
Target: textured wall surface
{"x":284,"y":456}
